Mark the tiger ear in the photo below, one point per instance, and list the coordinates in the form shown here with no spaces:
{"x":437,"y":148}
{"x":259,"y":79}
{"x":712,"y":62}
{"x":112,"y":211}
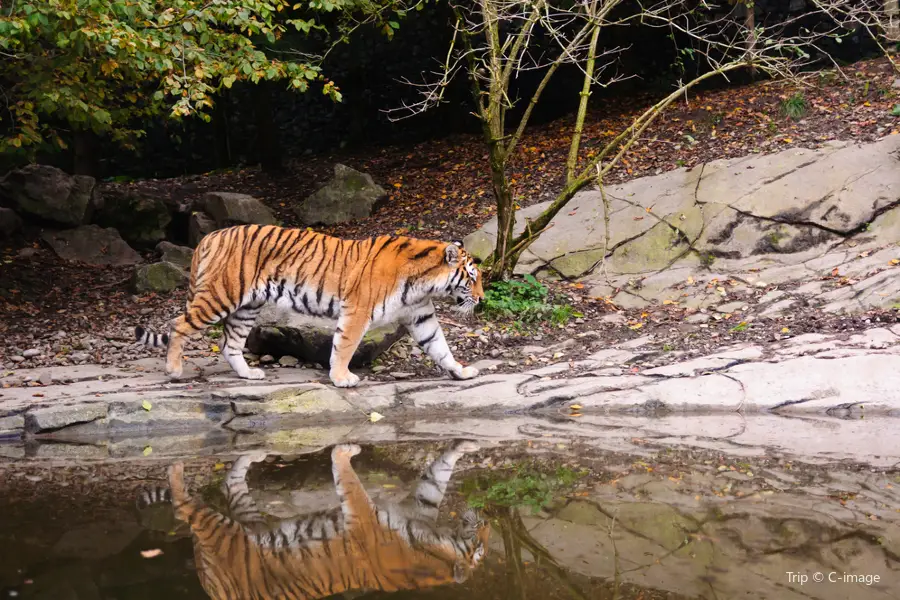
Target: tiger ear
{"x":451,"y":254}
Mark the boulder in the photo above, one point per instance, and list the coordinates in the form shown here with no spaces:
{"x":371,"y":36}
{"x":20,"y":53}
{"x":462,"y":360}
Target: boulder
{"x":177,"y":255}
{"x":309,"y":340}
{"x":158,"y":277}
{"x":10,"y":223}
{"x":200,"y":224}
{"x":227,"y":208}
{"x":141,"y":219}
{"x":48,"y":193}
{"x":93,"y":245}
{"x":350,"y":195}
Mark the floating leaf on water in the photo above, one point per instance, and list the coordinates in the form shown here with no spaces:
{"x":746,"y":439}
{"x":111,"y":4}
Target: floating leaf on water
{"x":147,"y":451}
{"x":575,"y":407}
{"x":146,"y":405}
{"x":151,"y":553}
{"x":375,"y":417}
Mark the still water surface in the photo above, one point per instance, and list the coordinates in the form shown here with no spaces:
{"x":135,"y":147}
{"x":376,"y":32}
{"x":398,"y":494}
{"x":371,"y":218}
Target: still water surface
{"x":452,"y":519}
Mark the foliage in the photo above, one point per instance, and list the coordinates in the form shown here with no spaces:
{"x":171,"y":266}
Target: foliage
{"x":107,"y":66}
{"x":525,"y":485}
{"x":525,"y":300}
{"x":795,"y":106}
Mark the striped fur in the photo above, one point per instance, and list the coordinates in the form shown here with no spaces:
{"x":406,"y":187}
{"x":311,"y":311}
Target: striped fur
{"x":357,"y":283}
{"x":358,"y":545}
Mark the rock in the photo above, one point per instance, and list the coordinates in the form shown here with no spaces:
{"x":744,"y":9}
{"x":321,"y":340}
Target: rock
{"x":401,"y":375}
{"x":31,"y":353}
{"x":139,"y":218}
{"x":46,"y":378}
{"x":177,"y":255}
{"x":350,"y":195}
{"x":288,"y":361}
{"x":17,"y":359}
{"x":59,"y":416}
{"x":309,"y":340}
{"x":228,"y":208}
{"x":158,"y":277}
{"x":199,"y":225}
{"x":92,"y":245}
{"x":10,"y":223}
{"x":479,"y":244}
{"x":266,"y":359}
{"x":51,"y":194}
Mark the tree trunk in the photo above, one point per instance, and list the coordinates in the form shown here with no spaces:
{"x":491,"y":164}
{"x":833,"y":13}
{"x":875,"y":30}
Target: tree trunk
{"x":750,"y":25}
{"x":221,"y":130}
{"x":84,"y":153}
{"x":506,"y":216}
{"x":892,"y":21}
{"x":268,"y":149}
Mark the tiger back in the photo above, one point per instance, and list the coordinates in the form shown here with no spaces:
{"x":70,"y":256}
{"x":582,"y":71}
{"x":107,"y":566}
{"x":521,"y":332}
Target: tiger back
{"x":359,"y":545}
{"x":359,"y":284}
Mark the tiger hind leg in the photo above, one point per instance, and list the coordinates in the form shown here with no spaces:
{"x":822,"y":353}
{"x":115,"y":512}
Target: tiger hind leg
{"x":433,"y":483}
{"x":192,"y":322}
{"x":237,"y":328}
{"x":241,"y":504}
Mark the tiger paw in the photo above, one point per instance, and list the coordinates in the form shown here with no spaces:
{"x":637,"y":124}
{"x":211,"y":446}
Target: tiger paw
{"x":462,"y":372}
{"x":345,"y":450}
{"x":467,"y":446}
{"x":255,"y":374}
{"x":347,"y":380}
{"x":176,"y":476}
{"x":174,"y":372}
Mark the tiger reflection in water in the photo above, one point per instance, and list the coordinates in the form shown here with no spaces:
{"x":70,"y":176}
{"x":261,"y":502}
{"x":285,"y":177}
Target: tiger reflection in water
{"x":359,"y":545}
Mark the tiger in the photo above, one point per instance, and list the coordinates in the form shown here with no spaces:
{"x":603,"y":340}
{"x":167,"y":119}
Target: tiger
{"x":358,"y":545}
{"x":357,"y":283}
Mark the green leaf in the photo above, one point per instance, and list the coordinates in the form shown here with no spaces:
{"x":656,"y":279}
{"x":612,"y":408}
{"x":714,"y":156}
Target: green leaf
{"x":896,"y":110}
{"x":146,"y":405}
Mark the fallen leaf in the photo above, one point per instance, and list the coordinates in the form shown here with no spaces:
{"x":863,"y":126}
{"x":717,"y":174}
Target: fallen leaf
{"x":151,"y":553}
{"x":214,"y":348}
{"x":895,"y":261}
{"x":146,"y":405}
{"x":218,"y":466}
{"x":575,"y":407}
{"x":147,"y":451}
{"x":785,"y":330}
{"x":375,"y":417}
{"x":388,"y":486}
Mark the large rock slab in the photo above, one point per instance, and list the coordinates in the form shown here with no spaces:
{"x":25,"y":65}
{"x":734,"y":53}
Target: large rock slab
{"x":350,"y":195}
{"x":93,"y":245}
{"x":10,"y":223}
{"x":177,"y":255}
{"x":774,"y":218}
{"x":284,"y":333}
{"x":51,"y":194}
{"x":139,"y":218}
{"x":229,"y":208}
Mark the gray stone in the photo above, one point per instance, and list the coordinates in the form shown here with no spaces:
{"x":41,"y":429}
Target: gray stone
{"x":49,"y":418}
{"x":177,"y":255}
{"x":31,"y":353}
{"x":92,"y":245}
{"x":288,"y":361}
{"x":228,"y":208}
{"x":199,"y":225}
{"x":139,"y":218}
{"x":158,"y":277}
{"x":51,"y":194}
{"x":11,"y":426}
{"x":479,"y":244}
{"x":350,"y":195}
{"x":10,"y":223}
{"x":287,"y":333}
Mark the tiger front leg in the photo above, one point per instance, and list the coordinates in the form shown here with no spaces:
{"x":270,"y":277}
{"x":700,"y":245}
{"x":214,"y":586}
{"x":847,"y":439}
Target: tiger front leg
{"x":426,"y":331}
{"x":347,"y":336}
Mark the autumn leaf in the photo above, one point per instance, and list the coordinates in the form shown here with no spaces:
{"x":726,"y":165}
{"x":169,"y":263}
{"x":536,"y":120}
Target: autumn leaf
{"x":146,"y":405}
{"x":151,"y":553}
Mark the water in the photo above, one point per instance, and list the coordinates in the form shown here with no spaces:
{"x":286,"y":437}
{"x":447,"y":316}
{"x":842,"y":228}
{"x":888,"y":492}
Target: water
{"x":567,"y":521}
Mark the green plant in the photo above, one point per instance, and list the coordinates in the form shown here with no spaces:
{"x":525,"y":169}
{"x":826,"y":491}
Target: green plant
{"x":895,"y":111}
{"x":215,"y":331}
{"x":795,"y":106}
{"x":525,"y":485}
{"x":526,"y":300}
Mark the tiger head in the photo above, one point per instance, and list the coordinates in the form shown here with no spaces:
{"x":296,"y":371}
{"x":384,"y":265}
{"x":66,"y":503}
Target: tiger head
{"x":474,"y":532}
{"x":464,"y":279}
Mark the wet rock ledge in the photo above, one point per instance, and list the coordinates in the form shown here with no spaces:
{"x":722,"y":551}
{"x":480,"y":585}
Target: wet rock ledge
{"x":838,"y":376}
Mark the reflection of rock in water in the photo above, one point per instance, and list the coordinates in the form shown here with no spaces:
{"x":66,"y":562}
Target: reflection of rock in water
{"x":358,"y":545}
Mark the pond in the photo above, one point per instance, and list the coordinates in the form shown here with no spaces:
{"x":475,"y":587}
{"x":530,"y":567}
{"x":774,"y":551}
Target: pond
{"x":447,"y":519}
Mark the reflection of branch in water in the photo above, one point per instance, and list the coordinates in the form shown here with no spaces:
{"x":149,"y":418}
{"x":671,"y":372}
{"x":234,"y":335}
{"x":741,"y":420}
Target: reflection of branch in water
{"x":616,"y":572}
{"x":515,"y":577}
{"x":513,"y":529}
